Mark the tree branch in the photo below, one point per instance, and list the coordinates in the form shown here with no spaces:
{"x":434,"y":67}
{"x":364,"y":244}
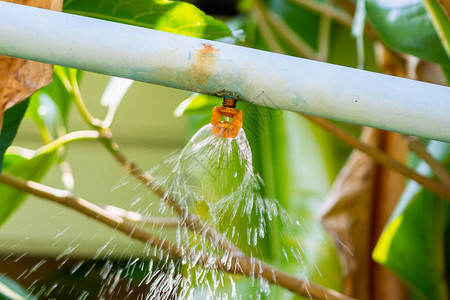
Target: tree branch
{"x":416,"y":146}
{"x":242,"y":264}
{"x":328,"y":10}
{"x":381,"y":157}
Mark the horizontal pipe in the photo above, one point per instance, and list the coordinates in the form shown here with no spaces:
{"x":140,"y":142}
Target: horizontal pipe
{"x":208,"y":67}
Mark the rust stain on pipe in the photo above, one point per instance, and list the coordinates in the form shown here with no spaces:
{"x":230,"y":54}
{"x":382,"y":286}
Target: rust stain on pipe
{"x":204,"y":64}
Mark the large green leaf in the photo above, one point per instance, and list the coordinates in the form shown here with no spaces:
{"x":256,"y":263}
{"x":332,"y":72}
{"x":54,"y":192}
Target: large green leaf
{"x":11,"y":122}
{"x":25,"y":164}
{"x":11,"y":290}
{"x":412,"y":244}
{"x":171,"y":16}
{"x":440,"y":21}
{"x":405,"y":26}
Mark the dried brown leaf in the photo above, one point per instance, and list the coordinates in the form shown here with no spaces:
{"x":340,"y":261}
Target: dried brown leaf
{"x":346,"y":215}
{"x":20,"y":78}
{"x":356,"y":211}
{"x":389,"y":188}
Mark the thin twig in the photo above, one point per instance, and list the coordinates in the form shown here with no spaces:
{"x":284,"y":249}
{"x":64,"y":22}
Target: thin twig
{"x":328,"y":10}
{"x":243,"y":265}
{"x":381,"y":157}
{"x":324,"y":38}
{"x":266,"y":32}
{"x":346,"y":5}
{"x":96,"y":123}
{"x":416,"y":146}
{"x":67,"y":138}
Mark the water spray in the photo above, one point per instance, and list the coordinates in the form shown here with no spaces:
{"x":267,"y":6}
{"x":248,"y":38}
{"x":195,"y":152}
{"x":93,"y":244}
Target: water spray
{"x":224,"y":128}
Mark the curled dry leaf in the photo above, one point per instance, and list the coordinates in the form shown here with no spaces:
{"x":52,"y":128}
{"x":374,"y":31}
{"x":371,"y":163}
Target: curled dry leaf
{"x":20,"y":78}
{"x":355,"y":212}
{"x":346,"y":215}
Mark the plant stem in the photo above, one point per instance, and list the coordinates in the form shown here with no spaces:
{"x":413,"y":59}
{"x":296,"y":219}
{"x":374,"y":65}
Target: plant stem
{"x":67,"y":138}
{"x":381,"y":157}
{"x":328,"y":10}
{"x":241,"y":264}
{"x":416,"y":146}
{"x":266,"y":32}
{"x":290,"y":36}
{"x":324,"y":38}
{"x":97,"y":124}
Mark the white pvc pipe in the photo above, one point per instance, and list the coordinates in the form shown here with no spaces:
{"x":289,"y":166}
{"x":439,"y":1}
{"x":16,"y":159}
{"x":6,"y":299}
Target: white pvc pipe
{"x":260,"y":77}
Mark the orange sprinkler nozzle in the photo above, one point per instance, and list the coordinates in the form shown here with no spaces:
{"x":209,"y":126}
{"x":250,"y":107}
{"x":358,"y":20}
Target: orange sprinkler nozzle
{"x":226,"y":129}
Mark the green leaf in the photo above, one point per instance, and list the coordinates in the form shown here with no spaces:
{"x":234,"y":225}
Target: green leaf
{"x":171,"y":16}
{"x":11,"y":121}
{"x":412,"y":243}
{"x":115,"y":91}
{"x":25,"y":164}
{"x":113,"y":95}
{"x":405,"y":26}
{"x":196,"y":104}
{"x":49,"y":107}
{"x":440,"y":21}
{"x":11,"y":290}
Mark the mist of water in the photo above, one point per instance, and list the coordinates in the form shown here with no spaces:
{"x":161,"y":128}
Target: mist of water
{"x":214,"y":179}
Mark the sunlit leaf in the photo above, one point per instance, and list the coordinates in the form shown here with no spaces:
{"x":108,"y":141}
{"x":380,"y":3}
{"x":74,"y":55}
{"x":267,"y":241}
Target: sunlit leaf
{"x":405,"y":26}
{"x":171,"y":16}
{"x":113,"y":95}
{"x":49,"y":107}
{"x":115,"y":90}
{"x":412,"y":243}
{"x":440,"y":21}
{"x":197,"y":103}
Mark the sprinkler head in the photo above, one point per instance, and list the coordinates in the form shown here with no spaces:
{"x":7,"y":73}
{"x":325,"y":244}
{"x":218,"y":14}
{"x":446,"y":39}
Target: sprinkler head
{"x":226,"y":129}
